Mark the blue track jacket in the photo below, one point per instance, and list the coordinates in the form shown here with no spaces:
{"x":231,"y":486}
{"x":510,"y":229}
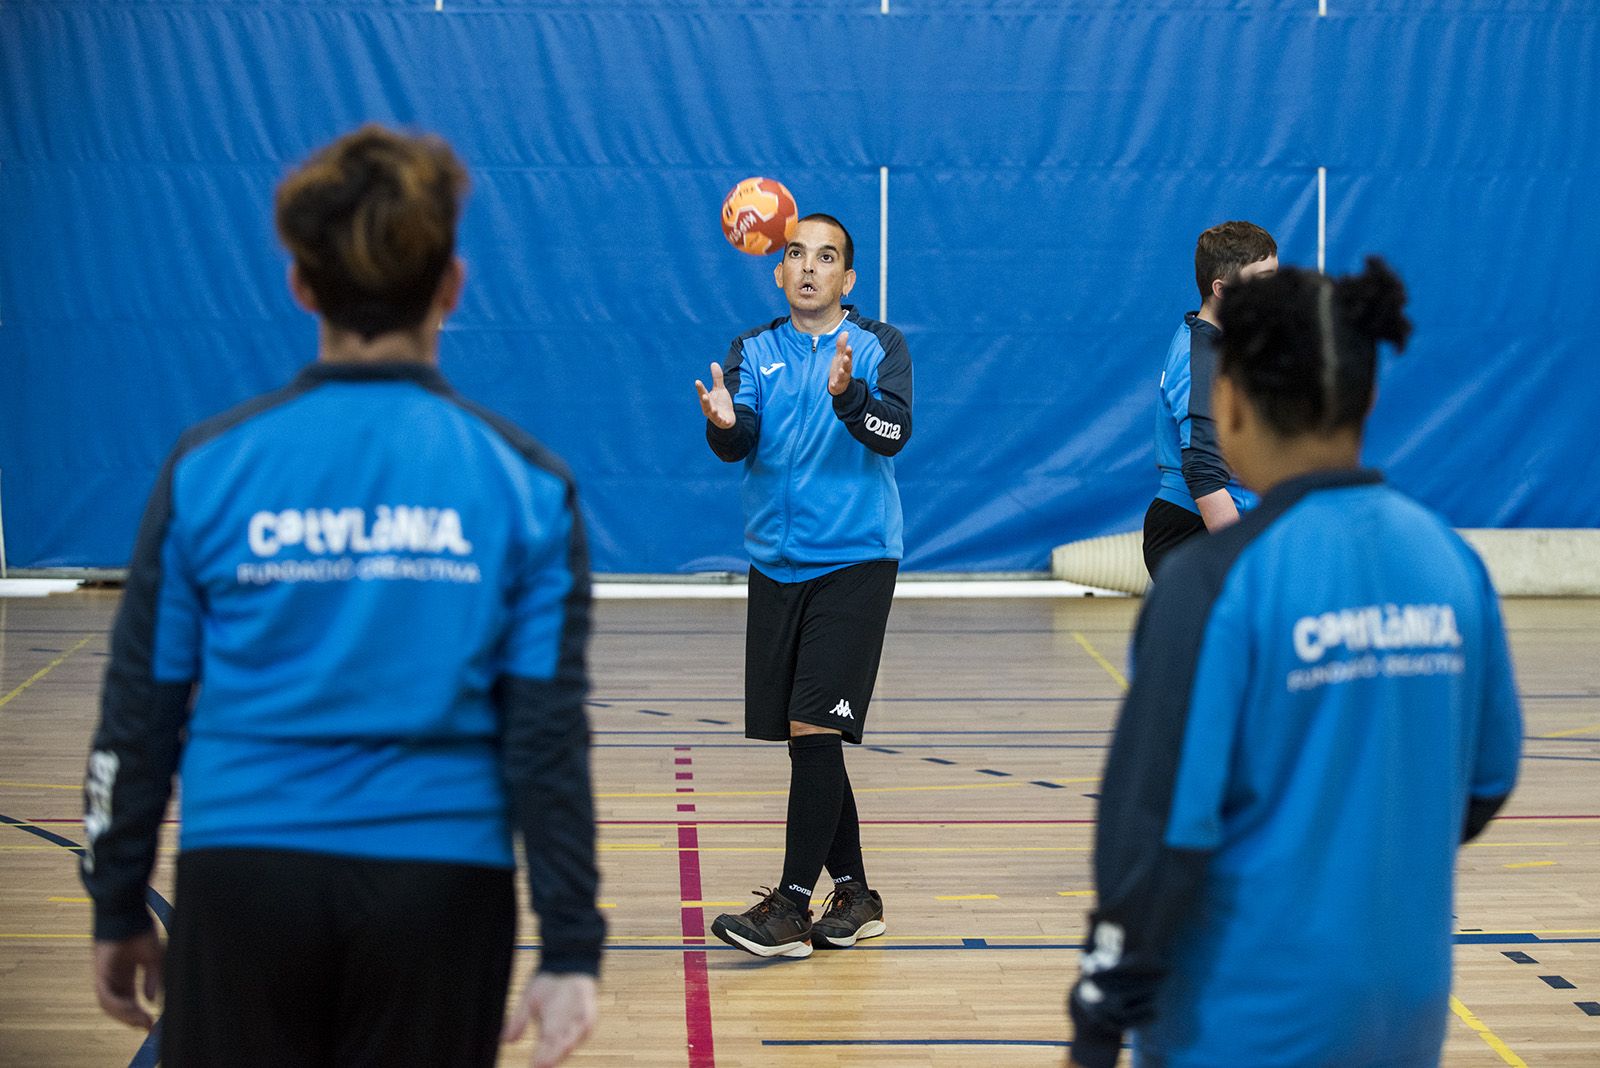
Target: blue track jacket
{"x":355,"y":624}
{"x":1187,"y":453}
{"x":819,"y":490}
{"x":1322,"y":710}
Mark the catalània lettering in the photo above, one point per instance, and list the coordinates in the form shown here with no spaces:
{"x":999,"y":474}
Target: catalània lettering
{"x":335,"y":531}
{"x":1379,"y":627}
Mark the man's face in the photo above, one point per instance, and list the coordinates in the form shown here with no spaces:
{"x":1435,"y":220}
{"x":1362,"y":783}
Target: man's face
{"x":811,"y":272}
{"x":1258,"y":269}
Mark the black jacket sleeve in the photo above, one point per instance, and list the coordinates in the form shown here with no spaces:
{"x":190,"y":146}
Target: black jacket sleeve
{"x":545,"y":761}
{"x":734,"y":443}
{"x":1204,"y":470}
{"x":1144,"y":886}
{"x":881,"y":423}
{"x":137,"y":744}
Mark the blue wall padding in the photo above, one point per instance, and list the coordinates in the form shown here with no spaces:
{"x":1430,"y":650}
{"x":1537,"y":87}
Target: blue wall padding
{"x":1050,"y":166}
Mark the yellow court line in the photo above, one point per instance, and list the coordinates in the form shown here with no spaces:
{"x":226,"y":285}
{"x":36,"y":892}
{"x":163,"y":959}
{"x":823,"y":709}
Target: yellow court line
{"x":1591,"y":728}
{"x":74,"y":900}
{"x":967,"y":897}
{"x":605,"y":904}
{"x":1509,"y":845}
{"x":860,"y":790}
{"x":43,"y":785}
{"x":1484,"y":1033}
{"x":1111,"y":668}
{"x":1075,"y":893}
{"x":78,"y":937}
{"x":720,"y":904}
{"x":1532,"y":864}
{"x":41,"y":673}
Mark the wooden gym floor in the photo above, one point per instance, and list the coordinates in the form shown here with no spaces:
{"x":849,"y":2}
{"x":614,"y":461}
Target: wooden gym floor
{"x":975,"y":785}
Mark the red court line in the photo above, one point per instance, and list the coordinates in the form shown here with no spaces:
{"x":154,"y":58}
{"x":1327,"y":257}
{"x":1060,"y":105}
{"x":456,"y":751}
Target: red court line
{"x":696,"y":983}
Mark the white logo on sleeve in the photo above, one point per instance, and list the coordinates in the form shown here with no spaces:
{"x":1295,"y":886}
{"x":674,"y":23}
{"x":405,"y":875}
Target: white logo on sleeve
{"x":771,"y":367}
{"x":883,"y":429}
{"x":842,"y":710}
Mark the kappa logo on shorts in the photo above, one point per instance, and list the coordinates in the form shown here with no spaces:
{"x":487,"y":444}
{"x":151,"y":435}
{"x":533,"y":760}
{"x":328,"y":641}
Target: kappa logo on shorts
{"x":842,"y":710}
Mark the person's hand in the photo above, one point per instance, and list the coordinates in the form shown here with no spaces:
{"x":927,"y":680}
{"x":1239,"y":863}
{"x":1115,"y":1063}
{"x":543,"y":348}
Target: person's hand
{"x":716,"y":402}
{"x":116,"y":967}
{"x":839,"y":371}
{"x":562,"y":1007}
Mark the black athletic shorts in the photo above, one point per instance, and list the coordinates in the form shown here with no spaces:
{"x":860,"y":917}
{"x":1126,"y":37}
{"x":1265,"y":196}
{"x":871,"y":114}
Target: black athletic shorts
{"x":812,"y":649}
{"x":281,"y":959}
{"x":1167,"y":526}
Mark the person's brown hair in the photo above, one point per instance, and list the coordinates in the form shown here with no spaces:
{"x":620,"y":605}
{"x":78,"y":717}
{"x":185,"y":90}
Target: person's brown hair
{"x":371,"y":223}
{"x":1226,"y":247}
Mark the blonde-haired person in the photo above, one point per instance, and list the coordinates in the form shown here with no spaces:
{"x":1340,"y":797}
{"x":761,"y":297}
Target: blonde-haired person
{"x":355,"y":627}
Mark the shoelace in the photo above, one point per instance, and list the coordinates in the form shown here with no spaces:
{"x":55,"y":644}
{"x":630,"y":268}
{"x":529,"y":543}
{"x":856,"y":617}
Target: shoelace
{"x":767,"y":895}
{"x":838,"y":900}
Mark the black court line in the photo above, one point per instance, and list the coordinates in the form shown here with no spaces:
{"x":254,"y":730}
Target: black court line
{"x":1555,"y":982}
{"x":147,"y":1055}
{"x":1589,"y":1008}
{"x":1519,"y":957}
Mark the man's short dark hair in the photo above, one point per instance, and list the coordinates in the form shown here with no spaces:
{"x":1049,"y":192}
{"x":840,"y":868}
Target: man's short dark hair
{"x":849,"y":244}
{"x":1225,"y":248}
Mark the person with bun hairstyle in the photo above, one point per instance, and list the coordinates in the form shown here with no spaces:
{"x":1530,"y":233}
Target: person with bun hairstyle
{"x":355,"y":627}
{"x":1322,"y":710}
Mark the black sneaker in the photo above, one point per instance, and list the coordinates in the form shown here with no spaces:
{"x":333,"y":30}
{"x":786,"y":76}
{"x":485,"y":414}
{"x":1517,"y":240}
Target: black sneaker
{"x":773,"y":927}
{"x":853,"y":913}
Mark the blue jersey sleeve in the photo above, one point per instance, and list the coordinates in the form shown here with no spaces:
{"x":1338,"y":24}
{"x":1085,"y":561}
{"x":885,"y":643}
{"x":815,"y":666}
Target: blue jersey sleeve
{"x":1499,"y":730}
{"x":143,"y":709}
{"x":545,"y":754}
{"x":736,"y":442}
{"x":877,"y":413}
{"x":1203,"y":468}
{"x":1160,"y":805}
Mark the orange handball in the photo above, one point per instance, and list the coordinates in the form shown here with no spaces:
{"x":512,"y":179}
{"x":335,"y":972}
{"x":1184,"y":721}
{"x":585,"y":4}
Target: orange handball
{"x":758,"y":216}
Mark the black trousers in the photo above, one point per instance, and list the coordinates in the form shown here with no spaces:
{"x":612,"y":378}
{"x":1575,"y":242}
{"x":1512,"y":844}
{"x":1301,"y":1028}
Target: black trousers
{"x":1167,"y":526}
{"x":281,"y":959}
{"x":812,"y":649}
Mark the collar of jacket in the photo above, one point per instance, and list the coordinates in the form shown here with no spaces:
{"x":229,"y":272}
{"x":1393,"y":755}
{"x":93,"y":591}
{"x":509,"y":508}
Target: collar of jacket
{"x":423,"y":374}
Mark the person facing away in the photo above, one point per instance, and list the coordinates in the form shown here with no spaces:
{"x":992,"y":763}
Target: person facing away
{"x":816,"y":404}
{"x":1322,"y":710}
{"x":1197,"y":492}
{"x":354,"y":626}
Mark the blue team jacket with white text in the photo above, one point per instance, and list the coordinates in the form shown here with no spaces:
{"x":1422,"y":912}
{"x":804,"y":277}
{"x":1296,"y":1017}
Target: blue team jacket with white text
{"x":357,"y":615}
{"x":819,"y":490}
{"x":1322,"y":709}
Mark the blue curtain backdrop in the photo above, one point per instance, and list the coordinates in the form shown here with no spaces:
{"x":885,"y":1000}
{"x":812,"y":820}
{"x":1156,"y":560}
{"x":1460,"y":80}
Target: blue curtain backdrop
{"x":1049,"y":167}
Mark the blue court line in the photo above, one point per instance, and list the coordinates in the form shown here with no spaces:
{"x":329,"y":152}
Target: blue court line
{"x":1552,"y":756}
{"x":1556,"y":982}
{"x":972,"y":945}
{"x":148,"y":1054}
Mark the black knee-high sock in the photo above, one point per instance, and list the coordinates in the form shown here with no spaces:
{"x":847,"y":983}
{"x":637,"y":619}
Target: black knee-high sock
{"x":816,"y":789}
{"x":844,"y":856}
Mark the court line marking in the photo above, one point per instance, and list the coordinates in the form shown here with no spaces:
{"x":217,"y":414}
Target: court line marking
{"x":1484,"y":1033}
{"x":1532,"y":864}
{"x":655,"y":847}
{"x":967,"y":897}
{"x":698,"y":1032}
{"x":1094,"y":653}
{"x":1591,"y":728}
{"x":41,"y":673}
{"x":859,"y":790}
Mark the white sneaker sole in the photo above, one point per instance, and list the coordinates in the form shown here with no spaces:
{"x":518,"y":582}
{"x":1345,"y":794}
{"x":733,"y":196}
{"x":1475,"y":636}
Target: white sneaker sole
{"x":790,"y":949}
{"x":870,"y":929}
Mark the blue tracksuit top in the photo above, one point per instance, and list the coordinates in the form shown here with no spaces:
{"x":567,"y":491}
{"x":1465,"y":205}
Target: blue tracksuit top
{"x":819,"y":490}
{"x":1187,"y":453}
{"x":358,"y":609}
{"x":1322,"y":709}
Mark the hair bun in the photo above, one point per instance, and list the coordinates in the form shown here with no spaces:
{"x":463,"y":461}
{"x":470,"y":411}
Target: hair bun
{"x":1374,"y":302}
